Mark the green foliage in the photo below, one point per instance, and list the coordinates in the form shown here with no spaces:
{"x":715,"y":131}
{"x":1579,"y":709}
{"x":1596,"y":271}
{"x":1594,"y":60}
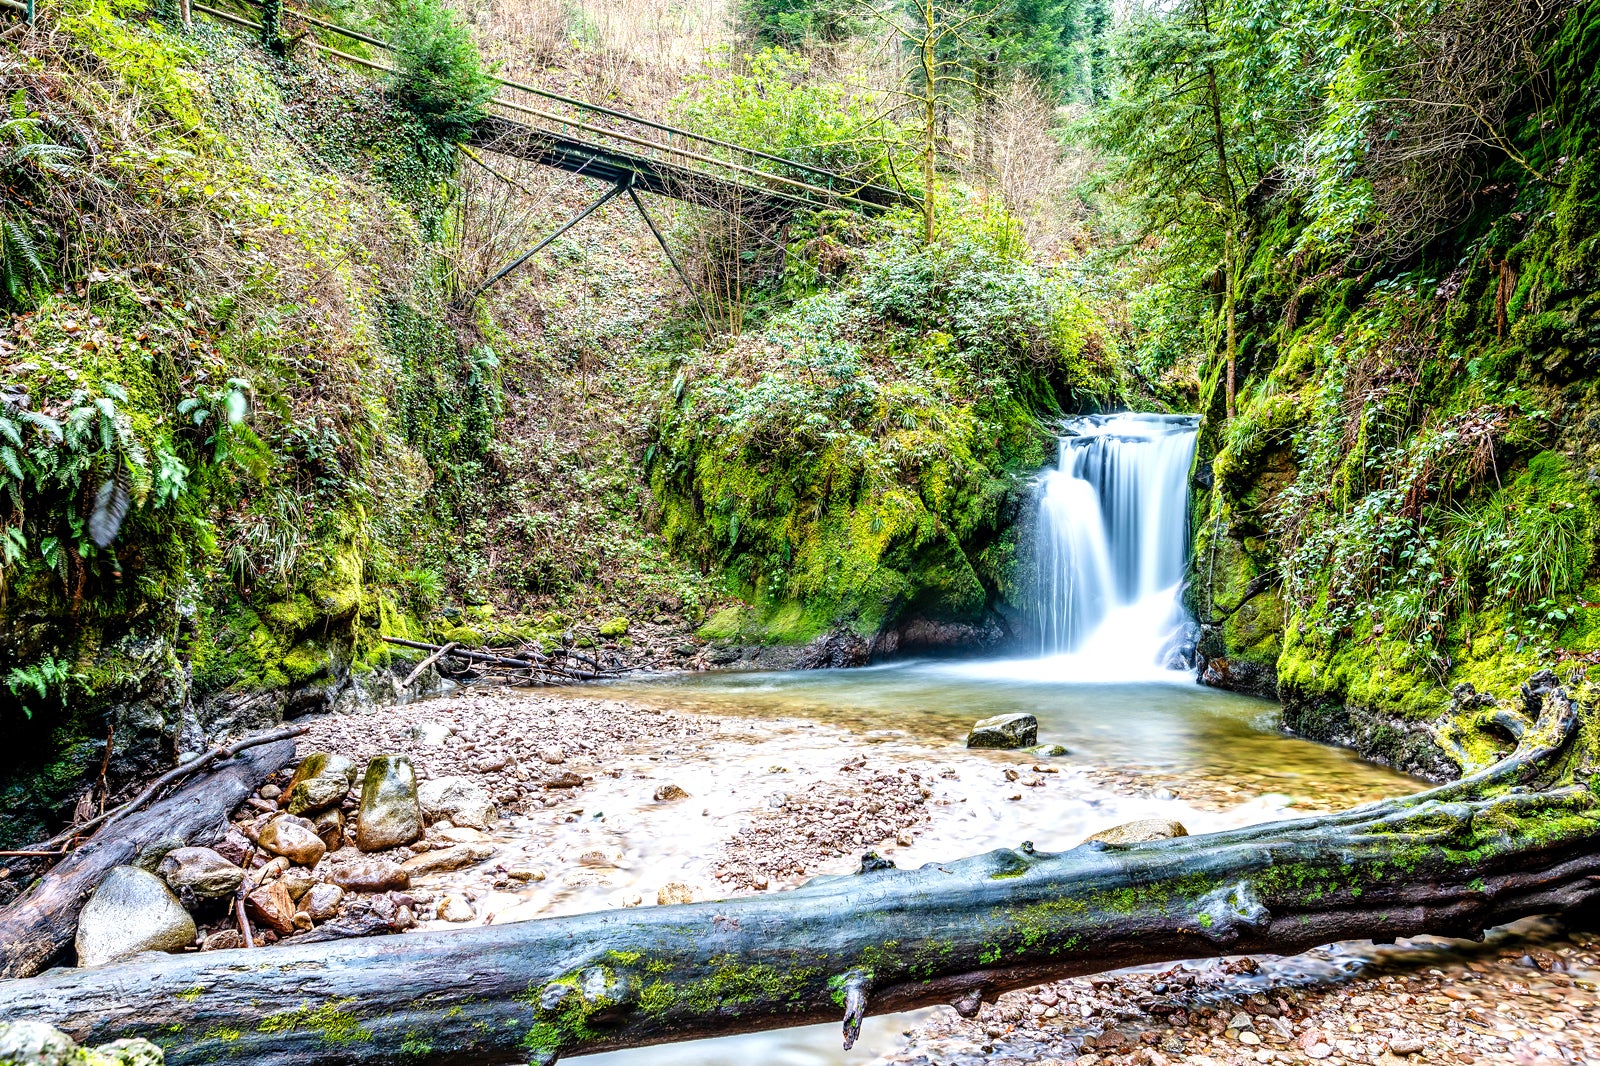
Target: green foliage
{"x":861,"y":467}
{"x":440,"y":76}
{"x":28,"y":157}
{"x":798,"y":23}
{"x":768,"y":100}
{"x":35,"y":683}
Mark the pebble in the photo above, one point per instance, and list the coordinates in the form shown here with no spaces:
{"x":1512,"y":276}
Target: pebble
{"x":292,"y":837}
{"x":199,"y":873}
{"x":670,"y":792}
{"x":322,"y":901}
{"x":455,"y":909}
{"x":674,"y":892}
{"x":272,"y":906}
{"x":371,"y":875}
{"x":447,"y":859}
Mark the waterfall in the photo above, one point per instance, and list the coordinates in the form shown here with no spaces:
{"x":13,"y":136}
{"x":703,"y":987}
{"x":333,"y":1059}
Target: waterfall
{"x":1112,"y":544}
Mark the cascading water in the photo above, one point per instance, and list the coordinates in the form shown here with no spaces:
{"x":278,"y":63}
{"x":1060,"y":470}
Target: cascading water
{"x":1112,"y":544}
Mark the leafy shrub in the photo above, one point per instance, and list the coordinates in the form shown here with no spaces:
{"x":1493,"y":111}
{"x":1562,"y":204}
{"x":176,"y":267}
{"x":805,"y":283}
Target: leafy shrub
{"x":795,"y":23}
{"x":440,"y":75}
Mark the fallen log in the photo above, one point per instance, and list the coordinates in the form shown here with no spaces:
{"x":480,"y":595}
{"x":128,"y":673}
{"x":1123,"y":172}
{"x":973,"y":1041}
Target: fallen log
{"x":1513,"y":840}
{"x":41,"y":922}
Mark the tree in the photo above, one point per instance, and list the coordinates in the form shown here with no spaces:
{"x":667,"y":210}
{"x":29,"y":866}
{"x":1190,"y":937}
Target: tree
{"x":439,"y":76}
{"x":1189,"y":136}
{"x":797,"y":23}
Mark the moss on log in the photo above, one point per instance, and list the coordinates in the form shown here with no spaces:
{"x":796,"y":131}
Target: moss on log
{"x":1514,"y":840}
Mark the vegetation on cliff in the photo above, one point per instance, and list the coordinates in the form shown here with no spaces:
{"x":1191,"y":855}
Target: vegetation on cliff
{"x":1391,"y":240}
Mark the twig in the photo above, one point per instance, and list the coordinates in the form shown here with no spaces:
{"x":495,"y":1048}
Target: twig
{"x":429,"y":661}
{"x":33,"y":854}
{"x":215,"y":755}
{"x":246,"y":886}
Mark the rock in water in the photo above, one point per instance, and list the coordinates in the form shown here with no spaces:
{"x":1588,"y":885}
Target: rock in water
{"x":458,"y":799}
{"x":456,"y":909}
{"x":294,"y":838}
{"x":199,"y":873}
{"x":1140,"y":832}
{"x":371,"y":875}
{"x":131,"y":911}
{"x":669,"y":792}
{"x":1005,"y":731}
{"x":446,"y":859}
{"x":674,"y":892}
{"x":389,"y":814}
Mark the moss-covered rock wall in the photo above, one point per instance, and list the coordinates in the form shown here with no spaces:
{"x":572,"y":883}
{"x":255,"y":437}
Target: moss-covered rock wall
{"x":1402,"y":513}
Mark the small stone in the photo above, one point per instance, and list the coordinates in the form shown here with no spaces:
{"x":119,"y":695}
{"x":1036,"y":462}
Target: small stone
{"x":199,"y":873}
{"x":329,"y":825}
{"x":670,"y":792}
{"x":461,"y":834}
{"x":222,"y":940}
{"x":446,"y":859}
{"x":596,"y":858}
{"x":234,"y":847}
{"x":903,"y":839}
{"x":525,"y":875}
{"x":371,"y":875}
{"x":303,"y":922}
{"x":292,"y":837}
{"x":565,"y":779}
{"x":389,"y":815}
{"x":457,"y":799}
{"x":132,"y":911}
{"x":1249,"y":1037}
{"x":455,"y":909}
{"x":1050,"y":751}
{"x":1140,"y":832}
{"x":298,"y":881}
{"x":674,"y":892}
{"x":1405,"y":1045}
{"x":1241,"y":1020}
{"x":553,"y":755}
{"x":430,"y":734}
{"x":322,"y":901}
{"x":1318,"y":1051}
{"x":1005,"y":731}
{"x":269,"y":791}
{"x":272,"y":907}
{"x":322,"y":764}
{"x":489,"y":764}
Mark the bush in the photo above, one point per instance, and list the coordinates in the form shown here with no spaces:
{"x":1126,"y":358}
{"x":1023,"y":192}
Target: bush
{"x":440,"y":76}
{"x":793,"y":23}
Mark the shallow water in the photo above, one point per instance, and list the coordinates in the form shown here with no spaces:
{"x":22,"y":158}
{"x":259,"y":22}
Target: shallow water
{"x":1207,"y":740}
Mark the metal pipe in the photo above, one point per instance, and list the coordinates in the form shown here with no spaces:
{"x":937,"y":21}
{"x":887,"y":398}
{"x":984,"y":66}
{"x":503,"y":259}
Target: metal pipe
{"x":648,"y":221}
{"x":594,"y":206}
{"x":609,"y":112}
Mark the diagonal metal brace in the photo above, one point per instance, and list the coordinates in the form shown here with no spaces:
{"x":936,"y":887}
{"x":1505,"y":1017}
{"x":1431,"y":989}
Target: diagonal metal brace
{"x":700,"y":304}
{"x":616,"y":190}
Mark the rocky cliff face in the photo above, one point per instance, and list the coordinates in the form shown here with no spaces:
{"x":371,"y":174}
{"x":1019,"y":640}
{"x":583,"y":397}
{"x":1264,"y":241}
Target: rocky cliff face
{"x":1405,"y":501}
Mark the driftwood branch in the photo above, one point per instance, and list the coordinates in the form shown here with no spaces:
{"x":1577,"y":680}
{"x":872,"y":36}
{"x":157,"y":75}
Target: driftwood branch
{"x":177,"y":773}
{"x":422,"y":667}
{"x":536,"y":665}
{"x":42,"y":921}
{"x":1513,"y":840}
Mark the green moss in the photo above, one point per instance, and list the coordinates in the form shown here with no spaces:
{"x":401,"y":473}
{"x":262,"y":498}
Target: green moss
{"x":333,"y":1021}
{"x":613,"y":627}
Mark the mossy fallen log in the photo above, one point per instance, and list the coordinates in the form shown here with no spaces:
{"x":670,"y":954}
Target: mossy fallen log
{"x":40,"y":923}
{"x":1513,"y":840}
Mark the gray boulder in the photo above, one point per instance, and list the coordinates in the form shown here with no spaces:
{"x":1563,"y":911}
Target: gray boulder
{"x":459,"y":799}
{"x":389,"y":815}
{"x":1005,"y":731}
{"x":199,"y":873}
{"x":132,"y":911}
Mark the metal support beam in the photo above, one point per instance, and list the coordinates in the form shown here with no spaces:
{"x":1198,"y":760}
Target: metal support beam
{"x":704,"y":314}
{"x":595,"y":205}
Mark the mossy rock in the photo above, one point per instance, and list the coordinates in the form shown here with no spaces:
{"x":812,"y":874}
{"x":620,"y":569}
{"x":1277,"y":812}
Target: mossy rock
{"x":613,"y":627}
{"x":464,"y":635}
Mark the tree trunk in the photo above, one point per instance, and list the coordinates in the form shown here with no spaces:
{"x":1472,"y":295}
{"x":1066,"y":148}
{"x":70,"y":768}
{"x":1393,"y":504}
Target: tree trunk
{"x":42,"y":922}
{"x":1230,"y":303}
{"x":1513,"y":840}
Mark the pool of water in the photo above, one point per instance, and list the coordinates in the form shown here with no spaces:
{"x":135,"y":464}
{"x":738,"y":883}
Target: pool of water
{"x":1165,"y":725}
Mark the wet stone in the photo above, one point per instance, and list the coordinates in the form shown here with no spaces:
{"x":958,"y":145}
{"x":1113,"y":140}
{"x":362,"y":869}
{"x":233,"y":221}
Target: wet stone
{"x":272,"y":906}
{"x":199,"y":873}
{"x":371,"y":875}
{"x":322,"y":901}
{"x":132,"y":911}
{"x":461,"y":801}
{"x":1140,"y":832}
{"x":294,"y":838}
{"x":1005,"y":731}
{"x":389,"y":814}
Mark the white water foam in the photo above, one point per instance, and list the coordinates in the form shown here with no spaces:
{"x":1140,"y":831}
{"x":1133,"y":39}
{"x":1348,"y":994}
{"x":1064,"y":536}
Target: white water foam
{"x":1112,"y":543}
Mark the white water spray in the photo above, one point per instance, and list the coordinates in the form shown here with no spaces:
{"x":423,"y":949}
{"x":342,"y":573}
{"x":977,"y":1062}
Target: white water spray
{"x":1112,"y":544}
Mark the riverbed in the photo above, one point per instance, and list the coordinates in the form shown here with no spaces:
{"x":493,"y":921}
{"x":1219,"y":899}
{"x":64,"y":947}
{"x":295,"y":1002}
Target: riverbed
{"x":716,"y":785}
